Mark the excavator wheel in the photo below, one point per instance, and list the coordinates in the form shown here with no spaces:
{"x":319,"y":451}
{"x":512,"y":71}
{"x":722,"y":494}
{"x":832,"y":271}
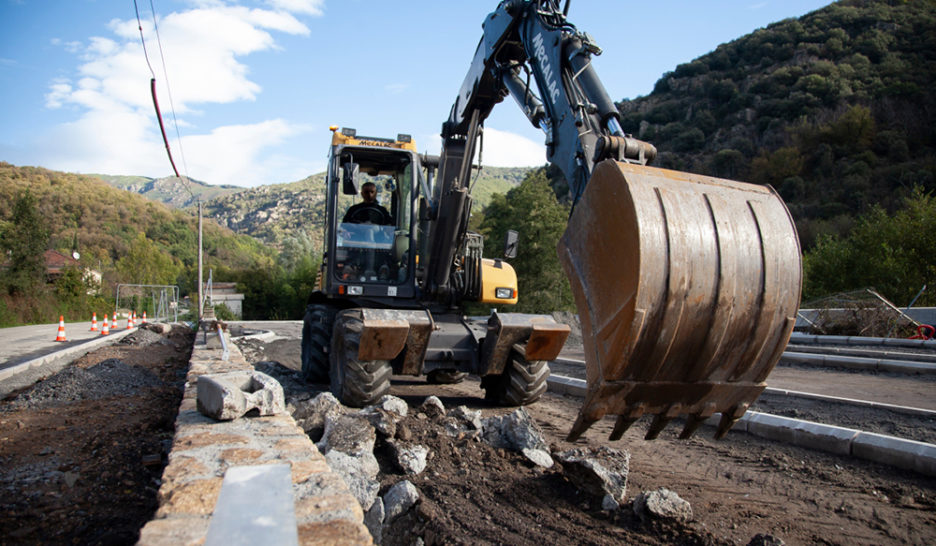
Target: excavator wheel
{"x":445,"y":377}
{"x":356,"y":383}
{"x":317,"y":328}
{"x":522,"y":383}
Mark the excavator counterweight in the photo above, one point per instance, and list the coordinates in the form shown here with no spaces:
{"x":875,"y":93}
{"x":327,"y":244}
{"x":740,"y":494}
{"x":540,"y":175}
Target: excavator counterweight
{"x":687,"y":287}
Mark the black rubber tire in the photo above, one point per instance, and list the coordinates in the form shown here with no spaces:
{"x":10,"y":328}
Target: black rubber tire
{"x":522,"y":382}
{"x":445,"y":377}
{"x":317,"y":326}
{"x":356,"y":383}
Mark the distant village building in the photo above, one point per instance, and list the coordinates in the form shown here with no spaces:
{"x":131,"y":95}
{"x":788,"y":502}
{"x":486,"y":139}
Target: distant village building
{"x":226,"y":293}
{"x":56,"y":263}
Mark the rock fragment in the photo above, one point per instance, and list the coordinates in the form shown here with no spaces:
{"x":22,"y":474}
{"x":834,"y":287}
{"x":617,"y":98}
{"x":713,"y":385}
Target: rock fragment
{"x":518,"y":432}
{"x":373,"y":520}
{"x":399,"y":499}
{"x":410,"y":458}
{"x":227,"y":396}
{"x":662,"y":504}
{"x":432,"y":407}
{"x":600,"y":472}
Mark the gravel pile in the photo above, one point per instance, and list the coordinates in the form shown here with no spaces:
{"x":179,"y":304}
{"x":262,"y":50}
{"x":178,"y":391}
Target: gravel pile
{"x":143,"y":337}
{"x":111,"y":377}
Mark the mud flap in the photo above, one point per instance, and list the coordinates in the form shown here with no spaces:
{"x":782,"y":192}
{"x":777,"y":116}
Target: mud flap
{"x":687,"y":287}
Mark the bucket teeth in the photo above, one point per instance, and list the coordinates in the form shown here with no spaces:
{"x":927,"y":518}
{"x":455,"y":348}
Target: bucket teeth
{"x":693,"y":422}
{"x":621,"y":425}
{"x":728,"y":420}
{"x":660,"y":421}
{"x":581,"y":425}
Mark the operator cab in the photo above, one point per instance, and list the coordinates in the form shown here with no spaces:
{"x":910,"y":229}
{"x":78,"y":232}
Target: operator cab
{"x":369,"y":245}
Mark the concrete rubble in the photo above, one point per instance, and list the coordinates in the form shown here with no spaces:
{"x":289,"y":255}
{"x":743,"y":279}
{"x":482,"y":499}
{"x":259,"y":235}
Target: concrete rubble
{"x":398,"y":499}
{"x":348,"y":446}
{"x":662,"y":504}
{"x":410,"y":458}
{"x":230,"y":395}
{"x":601,"y":472}
{"x":517,"y":431}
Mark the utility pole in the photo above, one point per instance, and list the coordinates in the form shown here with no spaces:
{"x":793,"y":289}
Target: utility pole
{"x":200,"y":297}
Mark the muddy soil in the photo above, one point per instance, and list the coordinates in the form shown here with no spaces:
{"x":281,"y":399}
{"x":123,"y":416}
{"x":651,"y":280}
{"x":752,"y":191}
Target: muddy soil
{"x":738,"y":487}
{"x":82,"y":453}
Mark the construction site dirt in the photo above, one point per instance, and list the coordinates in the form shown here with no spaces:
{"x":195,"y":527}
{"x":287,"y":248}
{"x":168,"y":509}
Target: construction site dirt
{"x":87,"y":471}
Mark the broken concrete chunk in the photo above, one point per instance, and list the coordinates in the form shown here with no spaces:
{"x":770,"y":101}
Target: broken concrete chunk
{"x":227,"y":396}
{"x":600,"y":472}
{"x":410,"y":458}
{"x":359,"y":473}
{"x":465,"y":416}
{"x":311,"y":414}
{"x":432,"y":407}
{"x":373,"y":520}
{"x":515,"y":431}
{"x":538,"y":457}
{"x":662,"y":504}
{"x":765,"y":540}
{"x":398,"y":499}
{"x":351,"y":434}
{"x":392,"y":404}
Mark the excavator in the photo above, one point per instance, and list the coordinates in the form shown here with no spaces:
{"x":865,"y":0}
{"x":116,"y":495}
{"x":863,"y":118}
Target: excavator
{"x":686,"y":286}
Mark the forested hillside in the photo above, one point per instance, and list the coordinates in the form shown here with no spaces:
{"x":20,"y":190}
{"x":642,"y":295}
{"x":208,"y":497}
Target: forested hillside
{"x":127,"y":237}
{"x":169,"y":190}
{"x":283,"y":215}
{"x":836,"y":110}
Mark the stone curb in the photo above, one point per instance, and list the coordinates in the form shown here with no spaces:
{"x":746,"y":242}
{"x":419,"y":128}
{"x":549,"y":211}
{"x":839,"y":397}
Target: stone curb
{"x":859,"y":363}
{"x":204,"y":449}
{"x":879,"y":448}
{"x":856,"y":340}
{"x":65,"y":355}
{"x":851,"y":401}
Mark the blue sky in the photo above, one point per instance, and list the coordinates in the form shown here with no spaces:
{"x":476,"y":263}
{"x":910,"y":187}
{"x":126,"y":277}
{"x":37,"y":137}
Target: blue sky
{"x":256,"y":83}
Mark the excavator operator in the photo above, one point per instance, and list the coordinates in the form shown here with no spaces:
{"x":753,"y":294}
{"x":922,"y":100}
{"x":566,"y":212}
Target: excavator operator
{"x":370,"y":211}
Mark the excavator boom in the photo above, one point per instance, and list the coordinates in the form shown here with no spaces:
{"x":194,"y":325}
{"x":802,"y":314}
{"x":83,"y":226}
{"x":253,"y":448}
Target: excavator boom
{"x":687,"y":286}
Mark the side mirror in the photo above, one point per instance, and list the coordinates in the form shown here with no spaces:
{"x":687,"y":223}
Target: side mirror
{"x":349,"y":178}
{"x":510,"y":244}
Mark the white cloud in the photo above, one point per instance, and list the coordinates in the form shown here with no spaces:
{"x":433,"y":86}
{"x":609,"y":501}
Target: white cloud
{"x":233,"y":154}
{"x":503,"y":149}
{"x":116,"y":131}
{"x":307,"y":7}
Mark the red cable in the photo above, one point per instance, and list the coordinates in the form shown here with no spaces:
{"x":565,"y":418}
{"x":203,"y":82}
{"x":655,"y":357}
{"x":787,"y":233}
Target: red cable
{"x":162,"y":129}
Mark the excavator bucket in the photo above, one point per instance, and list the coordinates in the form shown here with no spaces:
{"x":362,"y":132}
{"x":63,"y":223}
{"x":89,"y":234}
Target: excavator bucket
{"x":687,"y":287}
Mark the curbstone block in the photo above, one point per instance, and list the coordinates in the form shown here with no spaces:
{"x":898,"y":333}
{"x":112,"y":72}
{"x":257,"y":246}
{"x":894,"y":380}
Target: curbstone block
{"x":907,"y":454}
{"x":230,"y":395}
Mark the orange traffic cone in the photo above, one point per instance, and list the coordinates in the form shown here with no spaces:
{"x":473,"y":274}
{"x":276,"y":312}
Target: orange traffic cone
{"x":94,"y":322}
{"x":105,"y":330}
{"x":61,"y":329}
{"x":144,"y":318}
{"x":114,"y":321}
{"x":130,"y":320}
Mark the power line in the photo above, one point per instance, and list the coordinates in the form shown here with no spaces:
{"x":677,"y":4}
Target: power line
{"x":162,"y":128}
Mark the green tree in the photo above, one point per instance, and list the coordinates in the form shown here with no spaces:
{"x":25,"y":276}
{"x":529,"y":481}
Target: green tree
{"x":532,"y":209}
{"x":892,"y":253}
{"x":24,"y":240}
{"x":145,"y":263}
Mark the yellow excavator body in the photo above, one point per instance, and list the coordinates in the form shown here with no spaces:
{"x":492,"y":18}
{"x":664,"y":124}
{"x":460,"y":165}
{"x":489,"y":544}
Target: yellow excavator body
{"x":687,"y":287}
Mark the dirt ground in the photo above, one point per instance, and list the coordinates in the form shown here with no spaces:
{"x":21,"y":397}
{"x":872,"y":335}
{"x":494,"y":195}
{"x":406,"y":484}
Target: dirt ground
{"x":738,"y":487}
{"x":82,"y":453}
{"x":86,"y":471}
